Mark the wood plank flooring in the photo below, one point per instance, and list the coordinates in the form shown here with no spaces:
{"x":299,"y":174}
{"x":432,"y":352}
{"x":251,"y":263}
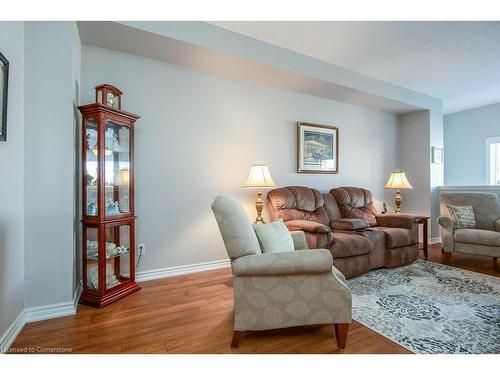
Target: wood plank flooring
{"x":193,"y":314}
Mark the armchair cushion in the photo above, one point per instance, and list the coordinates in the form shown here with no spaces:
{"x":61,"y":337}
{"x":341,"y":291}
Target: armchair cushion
{"x":478,"y":237}
{"x":274,"y":237}
{"x":299,"y":240}
{"x":237,"y":232}
{"x":394,"y":220}
{"x":300,"y":262}
{"x":349,"y":224}
{"x":307,"y":226}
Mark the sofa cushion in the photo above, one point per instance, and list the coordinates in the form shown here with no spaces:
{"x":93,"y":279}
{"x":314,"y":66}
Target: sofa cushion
{"x":297,"y":203}
{"x":477,"y":237}
{"x":397,"y":237}
{"x":355,"y":203}
{"x":274,"y":237}
{"x":348,"y":245}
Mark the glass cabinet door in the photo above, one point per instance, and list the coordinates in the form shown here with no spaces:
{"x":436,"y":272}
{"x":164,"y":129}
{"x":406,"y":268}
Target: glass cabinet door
{"x":117,"y":169}
{"x":92,"y":257}
{"x":91,"y":167}
{"x":117,"y":255}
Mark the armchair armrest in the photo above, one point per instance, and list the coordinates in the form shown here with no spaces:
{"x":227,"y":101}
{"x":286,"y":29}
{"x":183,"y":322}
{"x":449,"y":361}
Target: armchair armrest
{"x":349,"y":224}
{"x":497,"y":225}
{"x":446,"y":223}
{"x":307,"y":226}
{"x":397,"y":220}
{"x":297,"y":262}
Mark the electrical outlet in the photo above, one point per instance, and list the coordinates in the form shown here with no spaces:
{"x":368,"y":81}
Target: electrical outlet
{"x":141,"y":249}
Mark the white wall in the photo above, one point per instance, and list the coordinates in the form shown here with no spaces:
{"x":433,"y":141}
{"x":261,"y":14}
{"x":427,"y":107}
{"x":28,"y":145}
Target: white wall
{"x":11,"y":186}
{"x":49,"y":162}
{"x":199,"y":134}
{"x":464,"y":144}
{"x":414,"y":146}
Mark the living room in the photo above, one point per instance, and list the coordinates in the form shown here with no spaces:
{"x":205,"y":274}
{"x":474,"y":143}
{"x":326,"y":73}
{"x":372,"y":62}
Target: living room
{"x":350,"y":140}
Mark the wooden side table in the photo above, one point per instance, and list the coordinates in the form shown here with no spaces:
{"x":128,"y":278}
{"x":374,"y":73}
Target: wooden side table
{"x":425,"y":221}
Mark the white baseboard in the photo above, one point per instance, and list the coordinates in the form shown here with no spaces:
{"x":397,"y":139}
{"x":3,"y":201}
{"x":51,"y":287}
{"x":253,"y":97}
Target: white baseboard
{"x":181,"y":270}
{"x":34,"y":314}
{"x":10,"y":335}
{"x":434,"y":240}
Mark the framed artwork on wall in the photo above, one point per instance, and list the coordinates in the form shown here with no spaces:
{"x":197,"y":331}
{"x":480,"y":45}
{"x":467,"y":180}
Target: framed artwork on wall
{"x":4,"y":80}
{"x":317,"y":148}
{"x":437,"y":155}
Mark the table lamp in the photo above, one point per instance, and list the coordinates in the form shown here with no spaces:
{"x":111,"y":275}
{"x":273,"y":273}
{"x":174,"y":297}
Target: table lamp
{"x":398,"y":180}
{"x":259,"y":178}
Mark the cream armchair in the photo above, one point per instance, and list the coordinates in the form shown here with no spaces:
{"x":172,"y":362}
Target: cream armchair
{"x":279,"y":290}
{"x":485,"y":238}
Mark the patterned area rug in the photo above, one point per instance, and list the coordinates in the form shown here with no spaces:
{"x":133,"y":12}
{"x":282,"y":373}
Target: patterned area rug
{"x":430,"y":308}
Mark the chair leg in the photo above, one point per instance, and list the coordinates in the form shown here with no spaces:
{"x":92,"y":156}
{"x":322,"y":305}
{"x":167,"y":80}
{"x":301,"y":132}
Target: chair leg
{"x":235,"y":342}
{"x":341,"y":330}
{"x":447,"y":257}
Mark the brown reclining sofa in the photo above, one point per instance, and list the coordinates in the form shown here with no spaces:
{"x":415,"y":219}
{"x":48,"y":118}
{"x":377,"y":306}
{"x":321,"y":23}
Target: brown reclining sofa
{"x":346,"y":222}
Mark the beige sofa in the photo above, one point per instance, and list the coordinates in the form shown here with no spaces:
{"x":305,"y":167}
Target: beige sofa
{"x":284,"y":289}
{"x":485,"y":238}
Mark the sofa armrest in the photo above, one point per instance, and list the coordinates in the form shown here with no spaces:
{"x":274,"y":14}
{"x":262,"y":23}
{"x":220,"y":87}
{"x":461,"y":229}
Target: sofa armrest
{"x":446,"y":223}
{"x":349,"y":224}
{"x":394,"y":220}
{"x":307,"y":226}
{"x":299,"y":240}
{"x":299,"y":262}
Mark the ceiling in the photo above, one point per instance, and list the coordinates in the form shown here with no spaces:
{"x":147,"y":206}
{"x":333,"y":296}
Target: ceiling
{"x":458,"y":62}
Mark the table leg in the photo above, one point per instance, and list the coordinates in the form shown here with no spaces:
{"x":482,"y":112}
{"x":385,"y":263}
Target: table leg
{"x":426,"y":240}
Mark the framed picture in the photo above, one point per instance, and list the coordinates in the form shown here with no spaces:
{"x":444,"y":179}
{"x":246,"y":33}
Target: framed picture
{"x":317,"y":148}
{"x":4,"y":80}
{"x":437,"y":155}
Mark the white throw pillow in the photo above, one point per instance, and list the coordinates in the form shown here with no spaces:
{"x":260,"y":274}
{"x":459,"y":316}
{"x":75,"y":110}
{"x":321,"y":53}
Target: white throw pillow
{"x":274,"y":237}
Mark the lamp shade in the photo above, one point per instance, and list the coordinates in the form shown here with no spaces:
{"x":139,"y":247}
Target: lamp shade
{"x":398,"y":180}
{"x":259,"y":177}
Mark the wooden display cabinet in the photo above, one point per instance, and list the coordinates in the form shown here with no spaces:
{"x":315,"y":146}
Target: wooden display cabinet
{"x":107,"y":199}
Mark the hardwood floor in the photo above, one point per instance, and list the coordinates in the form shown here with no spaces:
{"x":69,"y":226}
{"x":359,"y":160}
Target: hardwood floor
{"x":193,"y":314}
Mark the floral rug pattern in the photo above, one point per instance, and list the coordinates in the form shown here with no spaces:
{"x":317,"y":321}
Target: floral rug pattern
{"x":430,"y":308}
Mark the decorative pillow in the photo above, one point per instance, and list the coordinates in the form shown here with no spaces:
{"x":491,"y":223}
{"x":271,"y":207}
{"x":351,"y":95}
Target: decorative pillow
{"x":274,"y":237}
{"x":462,"y":216}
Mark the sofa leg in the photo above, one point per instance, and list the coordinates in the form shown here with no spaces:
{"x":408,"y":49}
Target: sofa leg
{"x":341,"y":330}
{"x":447,"y":257}
{"x":495,"y":260}
{"x":235,"y":342}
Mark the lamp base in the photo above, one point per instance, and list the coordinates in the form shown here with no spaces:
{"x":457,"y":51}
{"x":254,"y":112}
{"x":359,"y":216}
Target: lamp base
{"x":259,"y":206}
{"x":398,"y":200}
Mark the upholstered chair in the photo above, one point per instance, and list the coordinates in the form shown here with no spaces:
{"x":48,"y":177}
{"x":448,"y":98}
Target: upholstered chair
{"x":484,"y":239}
{"x":280,"y":289}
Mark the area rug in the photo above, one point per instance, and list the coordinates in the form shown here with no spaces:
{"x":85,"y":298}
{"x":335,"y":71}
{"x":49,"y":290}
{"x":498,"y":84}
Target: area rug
{"x":430,"y":308}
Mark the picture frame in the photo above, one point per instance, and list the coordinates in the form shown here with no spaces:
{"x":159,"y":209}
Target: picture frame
{"x":317,"y":148}
{"x":437,"y":155}
{"x":4,"y":82}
